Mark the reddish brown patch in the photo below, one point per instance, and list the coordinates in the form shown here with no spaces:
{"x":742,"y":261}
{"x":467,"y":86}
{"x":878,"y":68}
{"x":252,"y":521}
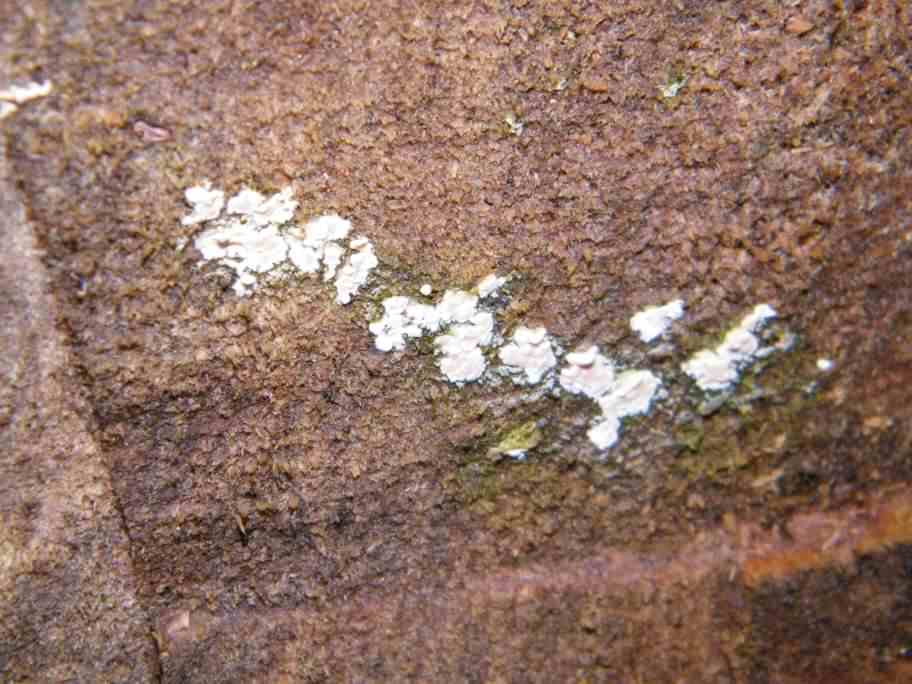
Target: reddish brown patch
{"x":822,"y":539}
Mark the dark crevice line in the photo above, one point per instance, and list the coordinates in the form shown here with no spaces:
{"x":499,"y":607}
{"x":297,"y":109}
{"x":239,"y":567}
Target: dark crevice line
{"x":156,"y":649}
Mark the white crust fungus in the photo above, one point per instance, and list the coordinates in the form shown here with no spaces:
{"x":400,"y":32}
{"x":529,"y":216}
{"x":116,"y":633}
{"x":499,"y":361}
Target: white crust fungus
{"x":529,"y":356}
{"x":717,"y":369}
{"x":207,"y":203}
{"x":403,"y":318}
{"x":618,"y":395}
{"x":355,"y":272}
{"x":462,"y":359}
{"x":489,"y":285}
{"x":253,"y":236}
{"x":653,"y":321}
{"x":15,"y":95}
{"x":247,"y":251}
{"x":587,"y":372}
{"x":457,"y":306}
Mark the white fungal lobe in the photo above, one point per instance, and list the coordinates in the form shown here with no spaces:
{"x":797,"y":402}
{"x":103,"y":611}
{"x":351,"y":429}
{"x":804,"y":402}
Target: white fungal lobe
{"x":717,"y":369}
{"x":403,"y":318}
{"x":355,"y":272}
{"x":618,"y":394}
{"x":462,"y":359}
{"x":604,"y":433}
{"x":457,"y":306}
{"x":207,"y":203}
{"x":653,"y":321}
{"x":529,"y":356}
{"x":22,"y":94}
{"x":247,"y":252}
{"x":460,"y":347}
{"x":15,"y":95}
{"x":587,"y":372}
{"x":490,"y":285}
{"x":332,"y":259}
{"x":253,"y":234}
{"x":318,"y":243}
{"x":631,"y":393}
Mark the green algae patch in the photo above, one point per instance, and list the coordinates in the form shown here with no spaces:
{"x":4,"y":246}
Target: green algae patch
{"x":751,"y":427}
{"x":485,"y":474}
{"x":518,"y":441}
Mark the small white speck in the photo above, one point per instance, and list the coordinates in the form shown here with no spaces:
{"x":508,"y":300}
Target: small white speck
{"x":825,"y":365}
{"x":671,"y":89}
{"x":514,"y":124}
{"x":426,"y":290}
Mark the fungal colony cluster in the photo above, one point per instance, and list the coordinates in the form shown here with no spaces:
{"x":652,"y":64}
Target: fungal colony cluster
{"x":256,"y":236}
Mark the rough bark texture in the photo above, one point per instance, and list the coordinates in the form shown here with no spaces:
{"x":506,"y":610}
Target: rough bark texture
{"x":200,"y":487}
{"x":68,"y":594}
